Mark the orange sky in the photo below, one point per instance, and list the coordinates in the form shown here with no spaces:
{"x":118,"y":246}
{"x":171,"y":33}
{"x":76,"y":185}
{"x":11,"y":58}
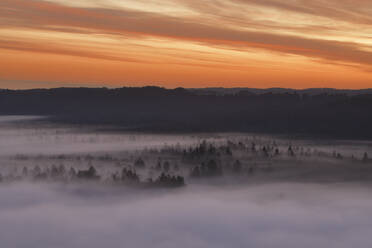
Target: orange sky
{"x":188,"y":43}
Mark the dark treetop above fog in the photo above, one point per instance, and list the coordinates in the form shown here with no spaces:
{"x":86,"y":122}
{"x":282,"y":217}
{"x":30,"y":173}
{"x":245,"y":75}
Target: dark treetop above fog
{"x":315,"y":112}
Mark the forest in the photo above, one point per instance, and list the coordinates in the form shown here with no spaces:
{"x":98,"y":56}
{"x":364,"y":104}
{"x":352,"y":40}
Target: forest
{"x":311,"y":113}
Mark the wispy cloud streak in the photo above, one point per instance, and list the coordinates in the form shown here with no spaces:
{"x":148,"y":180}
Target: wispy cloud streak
{"x":279,"y":27}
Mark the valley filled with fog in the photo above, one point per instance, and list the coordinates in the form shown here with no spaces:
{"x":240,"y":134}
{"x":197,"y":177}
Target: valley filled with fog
{"x":77,"y":186}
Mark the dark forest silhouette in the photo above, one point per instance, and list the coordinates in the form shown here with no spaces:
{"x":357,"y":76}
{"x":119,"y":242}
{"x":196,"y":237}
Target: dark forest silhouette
{"x":337,"y":114}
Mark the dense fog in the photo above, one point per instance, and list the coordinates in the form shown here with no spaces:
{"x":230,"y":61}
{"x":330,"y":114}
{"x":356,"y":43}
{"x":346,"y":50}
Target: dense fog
{"x":272,"y":215}
{"x":73,"y":186}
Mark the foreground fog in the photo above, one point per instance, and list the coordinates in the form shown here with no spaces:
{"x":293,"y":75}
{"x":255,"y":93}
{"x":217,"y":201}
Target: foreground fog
{"x":272,"y":215}
{"x":77,"y":187}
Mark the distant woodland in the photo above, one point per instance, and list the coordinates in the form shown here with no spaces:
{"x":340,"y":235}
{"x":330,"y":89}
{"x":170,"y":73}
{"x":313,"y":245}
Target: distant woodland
{"x":317,"y":113}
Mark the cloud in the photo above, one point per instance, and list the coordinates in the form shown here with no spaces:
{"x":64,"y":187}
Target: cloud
{"x":43,"y":15}
{"x":341,"y":10}
{"x":213,"y":41}
{"x":62,"y":50}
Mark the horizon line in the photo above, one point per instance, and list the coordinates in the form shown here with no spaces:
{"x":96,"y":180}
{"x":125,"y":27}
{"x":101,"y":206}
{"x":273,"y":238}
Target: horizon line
{"x":186,"y":88}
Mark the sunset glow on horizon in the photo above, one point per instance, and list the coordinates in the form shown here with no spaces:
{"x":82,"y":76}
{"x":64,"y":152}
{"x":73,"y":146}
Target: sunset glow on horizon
{"x":186,"y":43}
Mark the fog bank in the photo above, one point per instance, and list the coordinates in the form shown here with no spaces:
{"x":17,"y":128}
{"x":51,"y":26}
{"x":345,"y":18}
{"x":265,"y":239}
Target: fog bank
{"x":274,"y":215}
{"x":249,"y":191}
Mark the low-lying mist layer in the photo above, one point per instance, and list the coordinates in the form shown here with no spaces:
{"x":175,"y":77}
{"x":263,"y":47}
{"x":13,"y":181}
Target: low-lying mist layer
{"x":270,"y":215}
{"x":49,"y":153}
{"x":75,"y":187}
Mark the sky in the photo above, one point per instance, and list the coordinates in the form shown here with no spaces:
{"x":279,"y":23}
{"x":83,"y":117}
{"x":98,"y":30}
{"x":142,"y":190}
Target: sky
{"x":186,"y":43}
